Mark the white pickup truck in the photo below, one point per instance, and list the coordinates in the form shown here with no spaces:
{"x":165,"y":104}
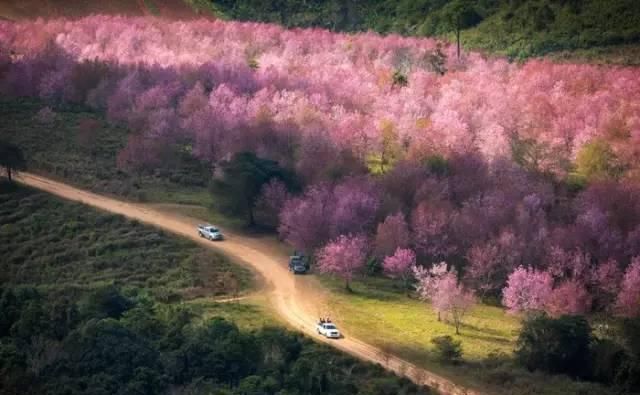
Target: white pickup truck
{"x":328,"y":330}
{"x":210,"y":232}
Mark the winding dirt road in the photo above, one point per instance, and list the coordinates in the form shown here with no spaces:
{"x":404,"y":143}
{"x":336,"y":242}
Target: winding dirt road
{"x":295,"y":298}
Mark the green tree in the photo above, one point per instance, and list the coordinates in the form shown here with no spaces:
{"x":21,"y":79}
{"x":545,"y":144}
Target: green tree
{"x":105,"y":302}
{"x":11,"y":158}
{"x":242,"y":179}
{"x":596,"y":161}
{"x":559,"y":345}
{"x":448,"y":349}
{"x":460,"y":14}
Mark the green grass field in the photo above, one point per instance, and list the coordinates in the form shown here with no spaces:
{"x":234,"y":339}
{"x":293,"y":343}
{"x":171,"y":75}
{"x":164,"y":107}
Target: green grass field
{"x":406,"y":325}
{"x":380,"y":314}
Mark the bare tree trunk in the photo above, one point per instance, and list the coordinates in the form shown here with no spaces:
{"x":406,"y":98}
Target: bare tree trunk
{"x":252,"y":220}
{"x":9,"y":173}
{"x":458,"y":40}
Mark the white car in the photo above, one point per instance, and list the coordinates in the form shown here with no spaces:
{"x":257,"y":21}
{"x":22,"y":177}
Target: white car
{"x":328,"y":330}
{"x":210,"y":232}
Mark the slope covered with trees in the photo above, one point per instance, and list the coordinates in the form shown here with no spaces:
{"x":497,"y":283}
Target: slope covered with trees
{"x":522,"y":178}
{"x":492,"y":165}
{"x":603,"y":31}
{"x":88,"y":304}
{"x":31,"y":9}
{"x":514,"y":28}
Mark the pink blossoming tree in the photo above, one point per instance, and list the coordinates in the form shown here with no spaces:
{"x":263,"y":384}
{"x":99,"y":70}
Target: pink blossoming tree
{"x":392,"y":234}
{"x":628,"y":302}
{"x":343,"y":257}
{"x":448,"y":298}
{"x":527,"y":290}
{"x":400,"y":265}
{"x":569,"y":298}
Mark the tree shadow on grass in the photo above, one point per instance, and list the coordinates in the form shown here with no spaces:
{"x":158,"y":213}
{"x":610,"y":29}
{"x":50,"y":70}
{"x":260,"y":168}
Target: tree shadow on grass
{"x":487,"y":338}
{"x":489,"y":331}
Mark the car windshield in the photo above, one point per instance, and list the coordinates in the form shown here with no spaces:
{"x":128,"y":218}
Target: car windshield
{"x":212,"y":229}
{"x":329,"y":326}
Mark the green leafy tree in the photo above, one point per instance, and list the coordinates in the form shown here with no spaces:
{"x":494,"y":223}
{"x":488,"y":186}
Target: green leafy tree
{"x":448,"y":349}
{"x":597,"y":161}
{"x":243,"y":176}
{"x":459,"y":15}
{"x":11,"y":158}
{"x":560,"y":346}
{"x":105,"y":302}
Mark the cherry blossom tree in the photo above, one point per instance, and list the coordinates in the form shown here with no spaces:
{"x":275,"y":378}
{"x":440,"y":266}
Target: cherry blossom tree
{"x":305,"y":220}
{"x":453,"y":300}
{"x":606,"y":280}
{"x":356,"y":204}
{"x":628,"y":302}
{"x":569,"y":298}
{"x":427,"y":279}
{"x":400,"y":265}
{"x":430,"y":231}
{"x":391,"y":235}
{"x":272,"y":199}
{"x":440,"y":286}
{"x":527,"y":290}
{"x":343,"y":257}
{"x":491,"y":263}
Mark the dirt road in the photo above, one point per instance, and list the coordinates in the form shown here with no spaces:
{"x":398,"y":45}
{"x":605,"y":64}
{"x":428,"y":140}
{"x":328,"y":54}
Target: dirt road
{"x":295,"y":298}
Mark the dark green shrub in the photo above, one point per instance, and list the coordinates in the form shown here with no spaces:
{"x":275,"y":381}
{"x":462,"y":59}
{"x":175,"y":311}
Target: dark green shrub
{"x":608,"y":360}
{"x":105,"y":302}
{"x":553,"y":345}
{"x":448,"y":349}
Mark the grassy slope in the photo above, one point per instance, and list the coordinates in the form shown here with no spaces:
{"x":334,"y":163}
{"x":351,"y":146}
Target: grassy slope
{"x":412,"y":325}
{"x":77,"y":8}
{"x":47,"y":242}
{"x":594,"y":31}
{"x":89,"y":249}
{"x":378,"y":313}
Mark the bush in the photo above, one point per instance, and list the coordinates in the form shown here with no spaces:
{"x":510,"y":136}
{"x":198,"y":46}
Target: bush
{"x":608,"y":360}
{"x":448,"y":349}
{"x":559,"y":345}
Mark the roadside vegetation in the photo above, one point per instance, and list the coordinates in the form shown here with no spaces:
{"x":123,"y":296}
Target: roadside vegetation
{"x":92,"y":302}
{"x":50,"y":243}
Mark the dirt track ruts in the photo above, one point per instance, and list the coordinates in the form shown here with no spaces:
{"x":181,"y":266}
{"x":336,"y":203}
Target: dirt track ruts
{"x":292,"y":297}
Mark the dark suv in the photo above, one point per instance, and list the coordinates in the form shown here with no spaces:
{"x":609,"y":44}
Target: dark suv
{"x":298,"y":263}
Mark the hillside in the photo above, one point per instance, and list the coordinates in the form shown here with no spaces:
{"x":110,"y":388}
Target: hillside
{"x":95,"y":303}
{"x":76,"y":8}
{"x":595,"y":31}
{"x":518,"y":29}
